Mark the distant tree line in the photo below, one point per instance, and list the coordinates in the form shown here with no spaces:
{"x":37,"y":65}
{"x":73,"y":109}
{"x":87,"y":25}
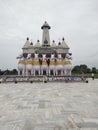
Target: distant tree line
{"x":83,"y":69}
{"x":8,"y":72}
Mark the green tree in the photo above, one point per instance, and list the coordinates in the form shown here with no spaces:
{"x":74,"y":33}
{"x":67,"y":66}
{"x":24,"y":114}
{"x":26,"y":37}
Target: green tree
{"x":14,"y":72}
{"x":88,"y":70}
{"x":94,"y":70}
{"x":81,"y":69}
{"x":76,"y":69}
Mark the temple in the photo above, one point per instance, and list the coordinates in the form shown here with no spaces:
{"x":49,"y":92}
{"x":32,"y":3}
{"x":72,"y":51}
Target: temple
{"x":46,"y":57}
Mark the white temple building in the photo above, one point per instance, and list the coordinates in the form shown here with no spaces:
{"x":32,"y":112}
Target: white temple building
{"x":46,"y":57}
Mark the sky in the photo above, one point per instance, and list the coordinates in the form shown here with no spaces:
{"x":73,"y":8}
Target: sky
{"x":75,"y":20}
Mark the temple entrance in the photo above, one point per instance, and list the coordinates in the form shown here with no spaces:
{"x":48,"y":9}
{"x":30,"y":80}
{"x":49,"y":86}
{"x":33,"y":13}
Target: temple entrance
{"x":44,"y":72}
{"x":36,"y":72}
{"x":20,"y":72}
{"x":62,"y":73}
{"x":29,"y":73}
{"x":51,"y":72}
{"x":59,"y":72}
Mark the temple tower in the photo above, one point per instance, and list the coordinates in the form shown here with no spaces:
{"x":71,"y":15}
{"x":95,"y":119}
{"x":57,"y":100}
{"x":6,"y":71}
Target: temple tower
{"x":58,"y":64}
{"x":45,"y":36}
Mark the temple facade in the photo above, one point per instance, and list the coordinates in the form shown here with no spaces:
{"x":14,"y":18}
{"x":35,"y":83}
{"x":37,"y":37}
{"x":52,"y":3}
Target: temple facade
{"x":46,"y":57}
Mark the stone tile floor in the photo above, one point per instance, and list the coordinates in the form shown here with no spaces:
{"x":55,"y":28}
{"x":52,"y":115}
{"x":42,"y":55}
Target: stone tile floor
{"x":49,"y":106}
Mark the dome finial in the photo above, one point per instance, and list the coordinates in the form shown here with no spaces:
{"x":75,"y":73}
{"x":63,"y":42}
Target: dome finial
{"x":63,"y":39}
{"x":27,"y":38}
{"x":53,"y":41}
{"x":38,"y":40}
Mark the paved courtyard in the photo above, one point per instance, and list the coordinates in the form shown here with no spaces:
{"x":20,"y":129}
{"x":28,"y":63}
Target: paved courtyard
{"x":49,"y":106}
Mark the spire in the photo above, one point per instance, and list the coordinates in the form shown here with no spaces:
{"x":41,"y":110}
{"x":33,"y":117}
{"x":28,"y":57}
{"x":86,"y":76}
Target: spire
{"x":45,"y":36}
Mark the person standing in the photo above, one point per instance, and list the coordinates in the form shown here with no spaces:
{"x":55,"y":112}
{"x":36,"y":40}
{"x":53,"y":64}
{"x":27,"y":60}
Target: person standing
{"x":92,"y":76}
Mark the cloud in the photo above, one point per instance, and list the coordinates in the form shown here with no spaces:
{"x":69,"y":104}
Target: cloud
{"x":76,"y":20}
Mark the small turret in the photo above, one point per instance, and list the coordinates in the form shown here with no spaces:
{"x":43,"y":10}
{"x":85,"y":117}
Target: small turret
{"x":64,"y":44}
{"x":27,"y":43}
{"x":38,"y":44}
{"x":53,"y":44}
{"x":59,"y":43}
{"x":27,"y":38}
{"x":31,"y":43}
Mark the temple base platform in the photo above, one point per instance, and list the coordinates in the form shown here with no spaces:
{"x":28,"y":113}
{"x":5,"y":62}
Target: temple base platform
{"x":42,"y":78}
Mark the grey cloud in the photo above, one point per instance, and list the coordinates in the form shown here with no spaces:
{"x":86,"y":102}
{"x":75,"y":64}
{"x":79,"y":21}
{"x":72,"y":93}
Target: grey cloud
{"x":76,"y":20}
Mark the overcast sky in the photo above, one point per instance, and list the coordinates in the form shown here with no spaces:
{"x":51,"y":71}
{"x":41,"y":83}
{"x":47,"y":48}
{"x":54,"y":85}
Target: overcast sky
{"x":75,"y":20}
